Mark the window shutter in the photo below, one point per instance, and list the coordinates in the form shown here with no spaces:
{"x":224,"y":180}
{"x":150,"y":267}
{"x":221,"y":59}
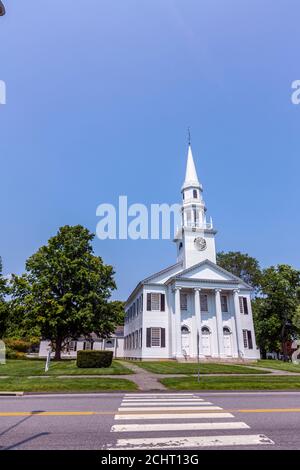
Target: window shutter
{"x":162,"y":302}
{"x":149,"y":302}
{"x":250,"y":343}
{"x":162,"y":337}
{"x":148,"y":342}
{"x":245,"y":305}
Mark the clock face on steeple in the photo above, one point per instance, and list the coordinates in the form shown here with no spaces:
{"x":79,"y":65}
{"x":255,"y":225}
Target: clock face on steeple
{"x":200,"y":243}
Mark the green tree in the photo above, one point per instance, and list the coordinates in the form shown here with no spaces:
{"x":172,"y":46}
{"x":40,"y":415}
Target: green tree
{"x":4,"y":290}
{"x":241,"y":265}
{"x":275,"y":312}
{"x":118,"y":308}
{"x":66,"y":289}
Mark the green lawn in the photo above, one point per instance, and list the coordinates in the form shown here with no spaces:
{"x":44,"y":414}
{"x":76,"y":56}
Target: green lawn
{"x":232,"y":383}
{"x":26,"y":367}
{"x":169,"y":367}
{"x":278,"y":365}
{"x":65,"y":385}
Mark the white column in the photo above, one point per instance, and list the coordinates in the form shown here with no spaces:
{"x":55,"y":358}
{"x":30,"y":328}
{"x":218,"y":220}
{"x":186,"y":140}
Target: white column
{"x":219,"y":319}
{"x":198,"y":321}
{"x":178,"y":352}
{"x":238,"y":323}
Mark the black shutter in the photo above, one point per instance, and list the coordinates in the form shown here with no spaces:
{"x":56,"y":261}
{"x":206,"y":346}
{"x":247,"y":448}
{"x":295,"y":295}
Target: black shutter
{"x":245,"y":303}
{"x":148,"y":342}
{"x":162,"y":338}
{"x":250,"y":344}
{"x":162,"y":302}
{"x":148,"y":302}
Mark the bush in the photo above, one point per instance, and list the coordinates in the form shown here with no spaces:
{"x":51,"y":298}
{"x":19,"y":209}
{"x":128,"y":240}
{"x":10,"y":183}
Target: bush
{"x":89,"y":359}
{"x":18,"y":345}
{"x":11,"y":354}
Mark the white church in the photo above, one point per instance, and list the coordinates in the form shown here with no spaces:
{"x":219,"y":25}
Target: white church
{"x":194,"y":307}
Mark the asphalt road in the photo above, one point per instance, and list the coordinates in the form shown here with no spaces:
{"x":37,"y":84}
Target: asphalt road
{"x":254,"y":420}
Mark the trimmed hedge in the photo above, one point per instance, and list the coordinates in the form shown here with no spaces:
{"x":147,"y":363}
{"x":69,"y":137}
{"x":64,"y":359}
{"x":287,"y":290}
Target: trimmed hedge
{"x":94,"y":359}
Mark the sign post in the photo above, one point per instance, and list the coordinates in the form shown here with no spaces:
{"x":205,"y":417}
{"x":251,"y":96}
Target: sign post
{"x":48,"y":360}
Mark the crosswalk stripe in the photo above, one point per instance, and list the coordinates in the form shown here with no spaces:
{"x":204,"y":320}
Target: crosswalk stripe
{"x":177,"y":427}
{"x":150,"y":400}
{"x":169,"y":403}
{"x":139,"y":395}
{"x":175,"y":408}
{"x":191,"y":442}
{"x":168,"y":416}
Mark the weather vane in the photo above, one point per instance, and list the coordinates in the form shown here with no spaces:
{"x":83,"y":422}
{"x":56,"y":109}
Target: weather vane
{"x":189,"y":136}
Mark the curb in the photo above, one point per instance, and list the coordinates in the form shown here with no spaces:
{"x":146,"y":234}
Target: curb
{"x":9,"y":394}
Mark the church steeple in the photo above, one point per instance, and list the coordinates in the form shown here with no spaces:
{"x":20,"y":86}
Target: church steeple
{"x":195,"y":238}
{"x":191,"y":177}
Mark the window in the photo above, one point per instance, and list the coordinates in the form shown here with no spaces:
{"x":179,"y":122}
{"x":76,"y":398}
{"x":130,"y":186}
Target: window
{"x":72,"y":346}
{"x":224,"y":304}
{"x":195,"y":194}
{"x":203,"y":303}
{"x":156,"y":301}
{"x":87,"y":345}
{"x":226,"y":331}
{"x":185,"y":330}
{"x":156,"y":337}
{"x":205,"y":330}
{"x":183,"y":301}
{"x":141,"y":337}
{"x":243,"y":305}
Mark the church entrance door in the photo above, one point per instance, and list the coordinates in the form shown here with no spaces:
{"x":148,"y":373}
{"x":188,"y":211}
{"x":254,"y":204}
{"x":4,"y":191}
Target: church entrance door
{"x":206,"y":342}
{"x":227,"y":342}
{"x":185,"y":341}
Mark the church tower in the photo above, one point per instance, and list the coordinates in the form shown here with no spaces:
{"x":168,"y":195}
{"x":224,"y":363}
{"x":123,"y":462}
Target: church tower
{"x":195,"y":238}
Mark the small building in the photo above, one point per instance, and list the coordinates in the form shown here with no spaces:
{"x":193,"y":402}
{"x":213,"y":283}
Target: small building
{"x":114,"y":343}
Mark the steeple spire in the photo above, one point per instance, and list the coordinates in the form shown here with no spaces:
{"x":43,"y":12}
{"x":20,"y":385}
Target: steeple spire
{"x":191,"y":177}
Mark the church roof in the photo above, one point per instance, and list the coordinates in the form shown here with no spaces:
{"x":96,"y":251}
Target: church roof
{"x":183,"y":274}
{"x":191,"y":177}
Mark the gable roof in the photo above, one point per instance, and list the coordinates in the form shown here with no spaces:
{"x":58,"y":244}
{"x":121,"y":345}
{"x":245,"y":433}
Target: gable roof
{"x":152,"y":278}
{"x":214,"y":267}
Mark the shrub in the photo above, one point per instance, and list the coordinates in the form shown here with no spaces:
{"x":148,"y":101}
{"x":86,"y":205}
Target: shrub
{"x":11,"y":354}
{"x":89,"y":359}
{"x":18,"y":345}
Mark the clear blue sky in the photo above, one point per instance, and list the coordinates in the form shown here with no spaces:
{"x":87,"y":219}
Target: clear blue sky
{"x":99,"y":97}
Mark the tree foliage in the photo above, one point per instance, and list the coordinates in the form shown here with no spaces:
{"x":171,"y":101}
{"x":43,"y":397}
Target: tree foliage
{"x":241,"y":265}
{"x":275,"y":312}
{"x":66,"y":289}
{"x":4,"y":290}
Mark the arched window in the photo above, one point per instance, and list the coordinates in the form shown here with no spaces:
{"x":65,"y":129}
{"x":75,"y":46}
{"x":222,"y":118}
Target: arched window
{"x":205,"y":330}
{"x":195,"y":193}
{"x":226,"y":331}
{"x":185,"y":330}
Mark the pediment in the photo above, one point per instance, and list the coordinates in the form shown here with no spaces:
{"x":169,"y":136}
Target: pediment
{"x":207,"y":270}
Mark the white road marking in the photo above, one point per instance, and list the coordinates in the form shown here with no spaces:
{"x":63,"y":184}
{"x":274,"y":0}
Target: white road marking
{"x":177,"y":427}
{"x":169,"y":403}
{"x":139,"y":395}
{"x":171,"y":408}
{"x":191,"y":442}
{"x":161,"y":416}
{"x":175,"y":400}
